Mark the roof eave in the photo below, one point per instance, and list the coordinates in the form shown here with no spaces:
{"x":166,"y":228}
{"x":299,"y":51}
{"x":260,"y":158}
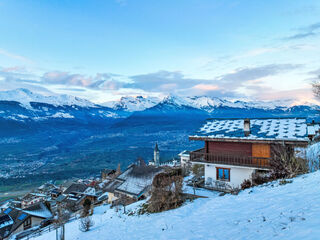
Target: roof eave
{"x":245,"y":140}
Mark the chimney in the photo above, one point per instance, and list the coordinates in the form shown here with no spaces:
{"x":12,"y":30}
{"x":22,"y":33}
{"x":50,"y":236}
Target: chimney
{"x":246,"y":127}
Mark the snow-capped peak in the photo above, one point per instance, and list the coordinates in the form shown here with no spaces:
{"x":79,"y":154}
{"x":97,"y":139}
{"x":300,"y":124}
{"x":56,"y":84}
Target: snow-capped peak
{"x":175,"y":100}
{"x":25,"y":96}
{"x":132,"y":104}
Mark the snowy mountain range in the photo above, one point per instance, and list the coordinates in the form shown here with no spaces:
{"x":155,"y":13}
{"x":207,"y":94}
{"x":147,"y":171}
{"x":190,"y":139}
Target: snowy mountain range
{"x":139,"y":103}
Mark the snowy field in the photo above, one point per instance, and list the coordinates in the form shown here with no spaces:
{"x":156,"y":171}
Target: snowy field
{"x":290,"y":211}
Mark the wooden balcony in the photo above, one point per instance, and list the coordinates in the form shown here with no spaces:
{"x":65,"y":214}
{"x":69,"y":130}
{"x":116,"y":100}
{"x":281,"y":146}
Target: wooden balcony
{"x":237,"y":160}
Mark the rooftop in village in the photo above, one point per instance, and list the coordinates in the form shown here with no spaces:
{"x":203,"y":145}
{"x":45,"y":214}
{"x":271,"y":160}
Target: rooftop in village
{"x":268,"y":129}
{"x":136,"y":179}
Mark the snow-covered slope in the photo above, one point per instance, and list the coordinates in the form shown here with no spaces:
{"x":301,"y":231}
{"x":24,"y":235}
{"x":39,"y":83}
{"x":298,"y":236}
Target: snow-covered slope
{"x":313,"y":156}
{"x":25,"y":96}
{"x":132,"y":104}
{"x":272,"y":211}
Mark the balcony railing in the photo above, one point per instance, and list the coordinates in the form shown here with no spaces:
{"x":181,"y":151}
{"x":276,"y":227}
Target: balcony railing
{"x":238,"y":160}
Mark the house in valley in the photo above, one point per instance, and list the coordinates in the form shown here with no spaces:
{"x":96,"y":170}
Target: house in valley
{"x":185,"y":158}
{"x":33,"y":198}
{"x":235,"y":150}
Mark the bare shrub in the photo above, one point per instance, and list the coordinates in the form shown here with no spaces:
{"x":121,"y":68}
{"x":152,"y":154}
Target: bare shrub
{"x":285,"y":165}
{"x":166,"y":192}
{"x":246,"y":184}
{"x":198,"y":170}
{"x":86,"y":207}
{"x":85,"y":224}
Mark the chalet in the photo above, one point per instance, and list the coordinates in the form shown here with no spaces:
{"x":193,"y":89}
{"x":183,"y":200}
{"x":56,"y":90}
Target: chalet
{"x":75,"y":195}
{"x":15,"y":220}
{"x":185,"y":158}
{"x":46,"y":188}
{"x":136,"y":181}
{"x":32,"y":198}
{"x":108,"y":188}
{"x":75,"y":188}
{"x":237,"y":149}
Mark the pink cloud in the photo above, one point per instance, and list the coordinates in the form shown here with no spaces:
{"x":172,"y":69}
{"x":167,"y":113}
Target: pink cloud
{"x":299,"y":96}
{"x":206,"y":87}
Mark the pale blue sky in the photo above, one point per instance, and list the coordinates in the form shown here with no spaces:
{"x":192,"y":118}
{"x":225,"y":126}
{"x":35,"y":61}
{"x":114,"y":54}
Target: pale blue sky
{"x":102,"y":50}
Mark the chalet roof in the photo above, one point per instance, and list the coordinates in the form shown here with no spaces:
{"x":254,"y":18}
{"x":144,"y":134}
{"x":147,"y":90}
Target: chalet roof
{"x":112,"y":185}
{"x":313,"y":129}
{"x":76,"y":187}
{"x":136,"y":179}
{"x":61,"y":198}
{"x":6,"y":224}
{"x":185,"y":152}
{"x":273,"y":129}
{"x":38,"y":210}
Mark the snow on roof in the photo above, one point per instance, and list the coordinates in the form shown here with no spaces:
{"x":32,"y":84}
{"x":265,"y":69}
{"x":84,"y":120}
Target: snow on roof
{"x":289,"y":129}
{"x":103,"y":197}
{"x":313,"y":129}
{"x":5,"y":221}
{"x":76,"y":187}
{"x":137,"y":178}
{"x":185,"y":153}
{"x":90,"y":191}
{"x":38,"y":210}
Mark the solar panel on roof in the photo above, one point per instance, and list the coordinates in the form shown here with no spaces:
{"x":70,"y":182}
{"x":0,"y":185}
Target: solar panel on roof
{"x":22,"y":216}
{"x":7,"y":211}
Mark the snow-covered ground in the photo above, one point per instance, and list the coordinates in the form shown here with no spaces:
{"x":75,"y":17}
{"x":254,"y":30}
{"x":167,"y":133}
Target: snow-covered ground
{"x":313,"y":155}
{"x":273,"y":211}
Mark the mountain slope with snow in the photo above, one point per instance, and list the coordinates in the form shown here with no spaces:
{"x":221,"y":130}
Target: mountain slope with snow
{"x":25,"y":97}
{"x":132,"y":104}
{"x":271,"y":211}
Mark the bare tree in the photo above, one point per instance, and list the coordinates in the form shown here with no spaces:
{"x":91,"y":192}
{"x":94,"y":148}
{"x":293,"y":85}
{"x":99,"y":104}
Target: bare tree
{"x":198,"y":172}
{"x":86,"y":207}
{"x":285,"y":164}
{"x":85,"y":224}
{"x":61,"y":216}
{"x":123,"y":201}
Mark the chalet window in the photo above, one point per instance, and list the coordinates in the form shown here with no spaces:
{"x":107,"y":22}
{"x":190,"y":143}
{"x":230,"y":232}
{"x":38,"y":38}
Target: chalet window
{"x":223,"y":174}
{"x":27,"y":223}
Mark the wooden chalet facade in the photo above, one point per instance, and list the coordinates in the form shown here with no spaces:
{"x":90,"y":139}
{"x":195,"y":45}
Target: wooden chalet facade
{"x":235,"y":149}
